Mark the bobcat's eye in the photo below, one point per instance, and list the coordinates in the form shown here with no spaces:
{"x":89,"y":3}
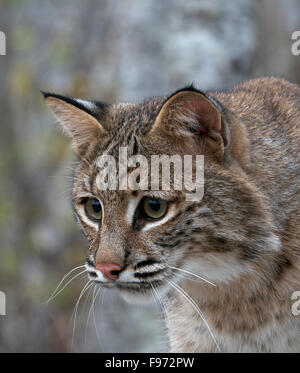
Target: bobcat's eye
{"x":93,"y":209}
{"x":154,"y":208}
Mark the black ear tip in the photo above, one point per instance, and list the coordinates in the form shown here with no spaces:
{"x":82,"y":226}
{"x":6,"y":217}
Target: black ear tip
{"x":188,"y":88}
{"x":54,"y":95}
{"x":46,"y":94}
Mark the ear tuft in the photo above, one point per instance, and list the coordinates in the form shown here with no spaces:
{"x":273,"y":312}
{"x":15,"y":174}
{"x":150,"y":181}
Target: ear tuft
{"x":78,"y":118}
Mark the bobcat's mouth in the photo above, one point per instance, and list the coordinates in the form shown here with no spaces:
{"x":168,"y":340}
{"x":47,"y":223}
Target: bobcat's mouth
{"x":134,"y":292}
{"x":135,"y":286}
{"x":142,"y":276}
{"x":138,"y":286}
{"x":127,"y":285}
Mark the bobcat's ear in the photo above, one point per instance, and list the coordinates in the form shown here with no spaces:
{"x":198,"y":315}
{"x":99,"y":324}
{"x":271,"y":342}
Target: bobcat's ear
{"x":79,"y":118}
{"x":190,"y":114}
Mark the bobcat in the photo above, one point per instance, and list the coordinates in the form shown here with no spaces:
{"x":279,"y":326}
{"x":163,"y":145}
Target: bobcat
{"x":224,"y":267}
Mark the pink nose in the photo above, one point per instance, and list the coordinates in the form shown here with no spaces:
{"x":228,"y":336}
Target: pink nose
{"x":109,"y":270}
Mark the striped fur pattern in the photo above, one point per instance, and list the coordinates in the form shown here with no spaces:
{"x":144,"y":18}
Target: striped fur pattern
{"x":225,"y":267}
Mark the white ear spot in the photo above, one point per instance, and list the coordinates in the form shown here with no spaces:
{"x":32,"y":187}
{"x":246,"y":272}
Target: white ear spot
{"x":87,"y":104}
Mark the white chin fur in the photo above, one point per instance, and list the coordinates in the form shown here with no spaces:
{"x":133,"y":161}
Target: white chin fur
{"x":145,"y":298}
{"x":136,"y":297}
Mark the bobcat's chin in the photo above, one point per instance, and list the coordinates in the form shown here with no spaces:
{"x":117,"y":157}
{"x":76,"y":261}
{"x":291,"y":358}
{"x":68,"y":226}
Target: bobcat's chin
{"x":142,"y":294}
{"x":136,"y":297}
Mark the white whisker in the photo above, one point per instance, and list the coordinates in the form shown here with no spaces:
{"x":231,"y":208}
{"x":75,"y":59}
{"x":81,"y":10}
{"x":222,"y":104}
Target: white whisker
{"x":85,"y":288}
{"x":187,"y":277}
{"x":55,"y":293}
{"x":195,"y":306}
{"x":193,"y":274}
{"x":90,"y":311}
{"x":96,"y":328}
{"x":158,"y":296}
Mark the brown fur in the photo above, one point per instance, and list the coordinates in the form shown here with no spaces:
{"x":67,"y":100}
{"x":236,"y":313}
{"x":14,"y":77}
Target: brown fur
{"x":244,"y":234}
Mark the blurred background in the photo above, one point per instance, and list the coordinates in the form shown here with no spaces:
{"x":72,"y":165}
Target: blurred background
{"x":121,"y":50}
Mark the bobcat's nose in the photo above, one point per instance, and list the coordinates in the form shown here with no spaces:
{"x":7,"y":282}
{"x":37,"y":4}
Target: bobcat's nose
{"x":109,"y":270}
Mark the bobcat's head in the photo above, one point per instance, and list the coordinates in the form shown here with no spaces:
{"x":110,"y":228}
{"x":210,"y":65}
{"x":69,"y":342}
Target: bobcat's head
{"x":148,"y":240}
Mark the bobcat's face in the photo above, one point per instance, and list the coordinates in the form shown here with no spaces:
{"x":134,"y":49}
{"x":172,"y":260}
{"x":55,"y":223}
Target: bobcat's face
{"x":136,"y":236}
{"x":147,"y":241}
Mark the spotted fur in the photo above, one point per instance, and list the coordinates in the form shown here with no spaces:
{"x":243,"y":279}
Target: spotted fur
{"x":243,"y":236}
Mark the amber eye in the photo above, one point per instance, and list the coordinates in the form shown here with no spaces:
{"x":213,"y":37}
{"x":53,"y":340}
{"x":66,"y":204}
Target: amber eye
{"x":93,"y":209}
{"x":154,"y":208}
